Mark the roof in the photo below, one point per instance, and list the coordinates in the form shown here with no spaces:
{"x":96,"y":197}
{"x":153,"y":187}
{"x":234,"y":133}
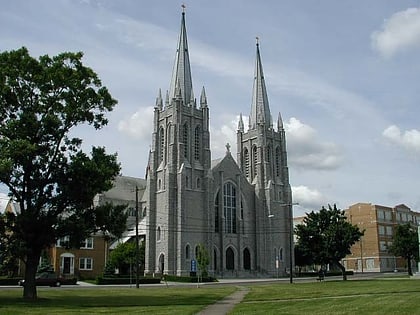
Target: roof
{"x":125,"y":187}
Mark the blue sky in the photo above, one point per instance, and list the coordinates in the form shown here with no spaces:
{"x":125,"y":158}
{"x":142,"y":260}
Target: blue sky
{"x":343,"y":74}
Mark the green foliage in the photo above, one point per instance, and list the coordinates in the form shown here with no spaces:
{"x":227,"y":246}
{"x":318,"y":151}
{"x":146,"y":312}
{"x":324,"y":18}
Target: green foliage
{"x":326,"y":236}
{"x":49,"y":177}
{"x":406,"y":244}
{"x":124,"y":256}
{"x":203,"y":260}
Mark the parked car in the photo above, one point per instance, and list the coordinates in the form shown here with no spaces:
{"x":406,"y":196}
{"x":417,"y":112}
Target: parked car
{"x":50,"y":279}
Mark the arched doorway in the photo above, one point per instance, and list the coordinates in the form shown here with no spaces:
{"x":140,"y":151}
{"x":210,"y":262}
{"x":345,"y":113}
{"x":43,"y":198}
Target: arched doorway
{"x":230,"y":259}
{"x":161,"y":263}
{"x":247,"y":259}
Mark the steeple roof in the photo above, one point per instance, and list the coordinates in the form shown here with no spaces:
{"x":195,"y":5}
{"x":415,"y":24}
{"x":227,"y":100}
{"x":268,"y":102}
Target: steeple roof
{"x":260,"y":109}
{"x":181,"y":73}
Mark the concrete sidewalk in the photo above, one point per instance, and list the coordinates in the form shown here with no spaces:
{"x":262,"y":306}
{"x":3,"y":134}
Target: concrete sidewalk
{"x":227,"y":304}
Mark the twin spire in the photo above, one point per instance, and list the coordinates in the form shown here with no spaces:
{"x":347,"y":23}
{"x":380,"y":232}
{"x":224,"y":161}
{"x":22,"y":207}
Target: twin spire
{"x":181,"y":84}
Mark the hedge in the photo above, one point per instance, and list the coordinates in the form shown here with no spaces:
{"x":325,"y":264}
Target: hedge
{"x":101,"y":280}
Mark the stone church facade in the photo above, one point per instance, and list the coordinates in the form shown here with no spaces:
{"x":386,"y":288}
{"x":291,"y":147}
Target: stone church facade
{"x":240,"y":211}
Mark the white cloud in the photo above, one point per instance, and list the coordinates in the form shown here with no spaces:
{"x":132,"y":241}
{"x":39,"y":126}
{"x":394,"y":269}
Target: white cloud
{"x":409,"y":139}
{"x":306,"y":151}
{"x":139,"y":125}
{"x":308,"y":199}
{"x":399,"y":33}
{"x":222,"y":135}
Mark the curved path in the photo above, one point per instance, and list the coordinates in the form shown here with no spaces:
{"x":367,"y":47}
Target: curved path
{"x":225,"y":305}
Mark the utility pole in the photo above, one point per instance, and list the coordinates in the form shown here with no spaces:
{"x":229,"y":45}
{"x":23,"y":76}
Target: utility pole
{"x":137,"y":238}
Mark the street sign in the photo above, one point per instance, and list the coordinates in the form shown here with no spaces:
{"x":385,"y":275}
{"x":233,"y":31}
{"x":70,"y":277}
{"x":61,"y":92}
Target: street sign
{"x":193,"y":265}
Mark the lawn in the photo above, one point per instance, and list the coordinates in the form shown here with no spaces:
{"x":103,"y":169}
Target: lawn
{"x":380,"y":296}
{"x":147,"y":300}
{"x":383,"y":296}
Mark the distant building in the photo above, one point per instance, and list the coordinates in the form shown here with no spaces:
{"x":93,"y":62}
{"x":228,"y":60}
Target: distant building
{"x":378,"y":222}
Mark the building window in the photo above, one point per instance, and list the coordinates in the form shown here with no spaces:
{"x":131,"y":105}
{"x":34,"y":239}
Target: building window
{"x":268,"y":154}
{"x":161,"y":144}
{"x":277,"y":161}
{"x":187,"y":251}
{"x":246,"y":162}
{"x":63,"y":241}
{"x":229,"y":207}
{"x":247,"y":259}
{"x":255,"y":158}
{"x":85,"y":264}
{"x":197,"y":146}
{"x":87,"y":243}
{"x":159,"y":234}
{"x":198,"y":183}
{"x":185,"y":139}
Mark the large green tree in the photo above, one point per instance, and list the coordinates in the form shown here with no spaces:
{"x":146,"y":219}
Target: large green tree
{"x":406,"y":244}
{"x":41,"y":162}
{"x":327,"y":236}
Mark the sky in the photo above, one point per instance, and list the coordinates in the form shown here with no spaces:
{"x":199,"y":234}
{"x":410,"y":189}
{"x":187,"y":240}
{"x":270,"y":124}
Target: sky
{"x":343,"y":74}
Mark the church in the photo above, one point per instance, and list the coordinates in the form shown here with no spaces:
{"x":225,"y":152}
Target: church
{"x":239,"y":209}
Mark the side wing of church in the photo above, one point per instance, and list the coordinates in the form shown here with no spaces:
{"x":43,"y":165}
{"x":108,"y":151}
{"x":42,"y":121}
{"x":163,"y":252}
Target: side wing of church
{"x":240,"y":211}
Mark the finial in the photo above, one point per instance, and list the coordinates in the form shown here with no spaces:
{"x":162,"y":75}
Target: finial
{"x":183,"y":8}
{"x":257,"y":39}
{"x":227,"y":148}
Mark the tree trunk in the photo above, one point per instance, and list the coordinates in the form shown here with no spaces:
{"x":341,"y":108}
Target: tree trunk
{"x":29,"y":287}
{"x":410,"y":271}
{"x":343,"y":270}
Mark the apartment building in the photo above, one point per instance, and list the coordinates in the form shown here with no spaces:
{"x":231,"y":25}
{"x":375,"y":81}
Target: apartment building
{"x":371,"y":254}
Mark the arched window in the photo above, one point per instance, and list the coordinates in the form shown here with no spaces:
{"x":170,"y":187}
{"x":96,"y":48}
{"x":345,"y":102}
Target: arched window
{"x":255,"y":158}
{"x":269,"y":154}
{"x":229,"y":207}
{"x":277,"y":161}
{"x":246,"y":162}
{"x":187,"y":251}
{"x":161,"y":144}
{"x":230,"y":259}
{"x":185,"y":139}
{"x":159,"y":234}
{"x":281,"y":254}
{"x":247,"y":259}
{"x":198,"y":183}
{"x":216,"y":213}
{"x":196,"y":251}
{"x":144,"y":211}
{"x":215,"y":260}
{"x":197,"y":143}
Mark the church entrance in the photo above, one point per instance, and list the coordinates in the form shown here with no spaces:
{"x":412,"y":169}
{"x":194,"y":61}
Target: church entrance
{"x":230,"y":259}
{"x":162,"y":263}
{"x":247,"y":259}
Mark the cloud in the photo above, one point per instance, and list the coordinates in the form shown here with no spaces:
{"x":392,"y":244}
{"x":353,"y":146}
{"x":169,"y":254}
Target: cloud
{"x":400,"y":32}
{"x":308,"y":199}
{"x":139,"y":125}
{"x":409,"y":140}
{"x":306,"y":151}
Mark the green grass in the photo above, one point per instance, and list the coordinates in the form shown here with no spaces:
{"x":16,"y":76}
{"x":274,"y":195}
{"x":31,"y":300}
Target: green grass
{"x":380,"y":296}
{"x":334,"y":297}
{"x":147,"y":300}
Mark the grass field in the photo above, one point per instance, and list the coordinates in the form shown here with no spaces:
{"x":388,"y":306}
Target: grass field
{"x":385,"y":296}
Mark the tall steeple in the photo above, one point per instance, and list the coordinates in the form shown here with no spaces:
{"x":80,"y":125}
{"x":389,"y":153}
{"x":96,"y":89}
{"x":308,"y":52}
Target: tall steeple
{"x":260,"y":110}
{"x":181,"y":73}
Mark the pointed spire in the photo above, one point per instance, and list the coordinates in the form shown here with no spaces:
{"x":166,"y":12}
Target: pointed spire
{"x":279,"y":123}
{"x":167,"y":98}
{"x":241,"y":123}
{"x":159,"y":100}
{"x":181,"y":72}
{"x":260,"y":110}
{"x":192,"y":99}
{"x":203,"y":98}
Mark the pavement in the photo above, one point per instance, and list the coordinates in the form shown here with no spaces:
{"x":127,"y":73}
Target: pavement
{"x":225,"y":305}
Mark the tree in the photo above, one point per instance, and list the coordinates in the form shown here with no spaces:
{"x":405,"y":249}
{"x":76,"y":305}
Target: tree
{"x":48,"y":175}
{"x":327,"y":237}
{"x":203,"y":260}
{"x":124,"y":255}
{"x":301,"y":257}
{"x":406,"y":244}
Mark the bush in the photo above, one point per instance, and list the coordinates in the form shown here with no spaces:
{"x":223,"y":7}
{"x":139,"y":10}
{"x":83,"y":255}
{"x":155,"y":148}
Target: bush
{"x":188,"y":279}
{"x":116,"y":280}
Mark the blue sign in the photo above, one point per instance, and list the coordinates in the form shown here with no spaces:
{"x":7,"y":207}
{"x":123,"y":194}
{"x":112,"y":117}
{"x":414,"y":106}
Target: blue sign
{"x":193,"y":265}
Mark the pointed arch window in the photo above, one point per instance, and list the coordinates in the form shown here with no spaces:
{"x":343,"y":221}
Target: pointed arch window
{"x":185,"y":139}
{"x":216,"y":213}
{"x":230,"y":259}
{"x":268,"y":154}
{"x":277,"y":161}
{"x":229,"y":207}
{"x":255,"y":158}
{"x":197,"y":143}
{"x":246,"y":162}
{"x":161,"y":144}
{"x":247,"y":259}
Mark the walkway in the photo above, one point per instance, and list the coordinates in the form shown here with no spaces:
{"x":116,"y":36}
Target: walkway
{"x":227,"y":304}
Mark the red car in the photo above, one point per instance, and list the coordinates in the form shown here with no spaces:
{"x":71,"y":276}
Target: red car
{"x":50,"y":279}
